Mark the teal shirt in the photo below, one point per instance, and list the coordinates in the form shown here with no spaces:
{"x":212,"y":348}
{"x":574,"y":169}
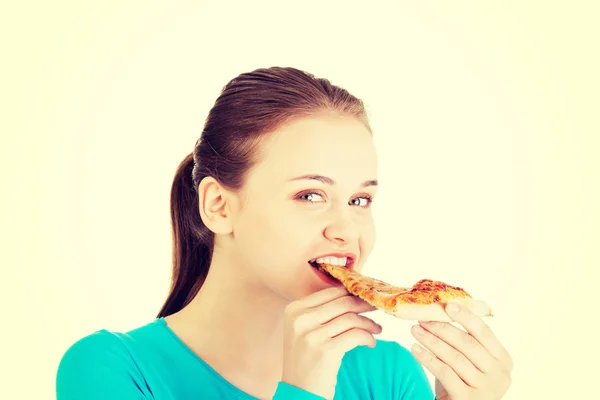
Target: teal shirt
{"x":151,"y":362}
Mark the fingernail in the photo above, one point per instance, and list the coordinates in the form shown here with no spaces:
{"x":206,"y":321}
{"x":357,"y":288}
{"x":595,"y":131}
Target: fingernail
{"x":418,"y":330}
{"x":416,"y":348}
{"x":452,"y":307}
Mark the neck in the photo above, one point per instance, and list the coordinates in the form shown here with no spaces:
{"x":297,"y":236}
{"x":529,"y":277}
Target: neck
{"x":229,"y":304}
{"x":234,"y":318}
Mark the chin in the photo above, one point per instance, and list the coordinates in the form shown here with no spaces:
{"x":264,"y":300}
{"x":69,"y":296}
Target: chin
{"x":301,"y":290}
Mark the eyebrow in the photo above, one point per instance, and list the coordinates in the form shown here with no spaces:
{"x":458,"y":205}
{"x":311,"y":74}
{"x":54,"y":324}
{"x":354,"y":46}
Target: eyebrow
{"x":328,"y":181}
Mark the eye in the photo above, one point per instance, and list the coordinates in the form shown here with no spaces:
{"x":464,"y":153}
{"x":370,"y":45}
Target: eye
{"x":363,"y":201}
{"x":310,"y":197}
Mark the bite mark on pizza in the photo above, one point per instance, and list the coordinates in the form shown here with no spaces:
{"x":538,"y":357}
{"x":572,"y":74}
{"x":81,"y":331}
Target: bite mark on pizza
{"x":424,"y":301}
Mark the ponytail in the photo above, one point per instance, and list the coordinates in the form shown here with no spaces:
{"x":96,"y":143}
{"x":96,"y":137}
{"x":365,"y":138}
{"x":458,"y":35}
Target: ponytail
{"x":192,"y":241}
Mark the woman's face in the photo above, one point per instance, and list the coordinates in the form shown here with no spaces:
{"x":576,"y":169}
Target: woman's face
{"x":307,"y":196}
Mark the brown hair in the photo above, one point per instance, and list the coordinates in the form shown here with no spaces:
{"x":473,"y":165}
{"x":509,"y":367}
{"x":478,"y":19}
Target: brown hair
{"x":249,"y":106}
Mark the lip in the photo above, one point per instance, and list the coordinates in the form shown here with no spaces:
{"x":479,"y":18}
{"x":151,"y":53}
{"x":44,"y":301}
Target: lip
{"x":350,"y":256}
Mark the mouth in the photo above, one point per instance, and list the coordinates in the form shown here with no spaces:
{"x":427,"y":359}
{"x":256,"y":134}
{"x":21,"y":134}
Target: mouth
{"x":318,"y":267}
{"x":343,"y":260}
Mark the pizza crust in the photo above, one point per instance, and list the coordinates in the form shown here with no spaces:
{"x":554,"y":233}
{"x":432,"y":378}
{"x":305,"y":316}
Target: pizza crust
{"x":424,"y":301}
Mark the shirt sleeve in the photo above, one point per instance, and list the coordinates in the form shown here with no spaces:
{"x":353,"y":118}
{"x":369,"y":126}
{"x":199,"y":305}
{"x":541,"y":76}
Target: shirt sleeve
{"x":98,"y":367}
{"x":288,"y":392}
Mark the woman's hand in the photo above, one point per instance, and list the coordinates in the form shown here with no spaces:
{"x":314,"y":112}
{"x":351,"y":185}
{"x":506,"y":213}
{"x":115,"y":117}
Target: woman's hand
{"x":319,"y":329}
{"x":471,"y":365}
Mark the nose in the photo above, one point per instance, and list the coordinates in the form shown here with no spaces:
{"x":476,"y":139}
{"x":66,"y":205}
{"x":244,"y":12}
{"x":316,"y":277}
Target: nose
{"x":341,"y":229}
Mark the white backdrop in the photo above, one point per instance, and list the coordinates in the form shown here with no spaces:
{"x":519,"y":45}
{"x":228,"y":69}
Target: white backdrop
{"x":484,"y":116}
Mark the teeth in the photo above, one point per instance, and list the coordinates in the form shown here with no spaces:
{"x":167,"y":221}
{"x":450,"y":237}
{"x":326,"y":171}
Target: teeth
{"x":341,"y":261}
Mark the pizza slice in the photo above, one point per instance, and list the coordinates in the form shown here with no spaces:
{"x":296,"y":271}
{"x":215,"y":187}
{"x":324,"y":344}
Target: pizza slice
{"x":424,"y":301}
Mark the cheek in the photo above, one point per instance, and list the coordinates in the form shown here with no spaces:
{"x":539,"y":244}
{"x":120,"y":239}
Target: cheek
{"x":269,"y":233}
{"x":367,"y":241}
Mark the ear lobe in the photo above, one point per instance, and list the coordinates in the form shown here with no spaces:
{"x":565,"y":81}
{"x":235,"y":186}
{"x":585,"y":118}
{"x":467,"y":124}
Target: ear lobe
{"x":212,"y":203}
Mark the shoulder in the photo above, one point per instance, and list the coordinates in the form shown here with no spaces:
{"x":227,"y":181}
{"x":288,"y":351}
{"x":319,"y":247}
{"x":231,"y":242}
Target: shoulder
{"x":389,"y":367}
{"x":98,"y":346}
{"x":112,"y":345}
{"x":99,"y":364}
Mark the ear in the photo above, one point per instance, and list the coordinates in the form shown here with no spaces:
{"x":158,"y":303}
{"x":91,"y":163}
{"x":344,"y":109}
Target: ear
{"x":214,"y":208}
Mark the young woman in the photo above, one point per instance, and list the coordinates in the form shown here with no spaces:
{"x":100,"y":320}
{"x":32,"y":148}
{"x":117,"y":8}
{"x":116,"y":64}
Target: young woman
{"x":284,"y":173}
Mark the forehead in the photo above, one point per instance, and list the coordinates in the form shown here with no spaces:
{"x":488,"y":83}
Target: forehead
{"x":338,"y":146}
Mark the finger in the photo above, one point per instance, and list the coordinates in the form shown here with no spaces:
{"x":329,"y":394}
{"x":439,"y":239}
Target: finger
{"x":480,"y":331}
{"x":321,"y":297}
{"x":462,"y":341}
{"x":350,"y":339}
{"x":302,"y":321}
{"x":297,"y":313}
{"x":339,"y":306}
{"x":446,"y":375}
{"x":348,"y":321}
{"x":463,"y":367}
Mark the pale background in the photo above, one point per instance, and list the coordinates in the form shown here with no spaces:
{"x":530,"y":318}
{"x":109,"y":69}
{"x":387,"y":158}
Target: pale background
{"x":485,"y":117}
